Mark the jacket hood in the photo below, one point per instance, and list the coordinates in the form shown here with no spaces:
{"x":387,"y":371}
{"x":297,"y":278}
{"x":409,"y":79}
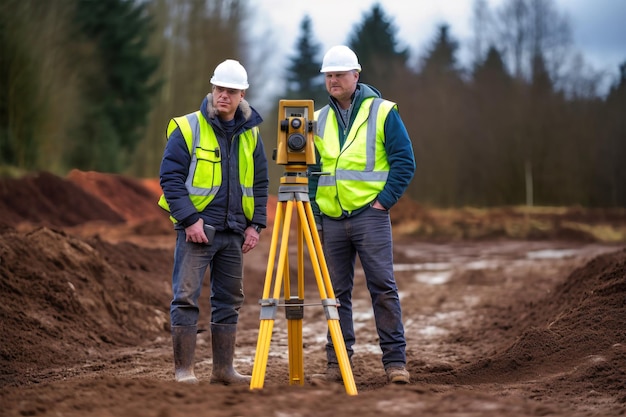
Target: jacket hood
{"x":369,"y":91}
{"x":364,"y":91}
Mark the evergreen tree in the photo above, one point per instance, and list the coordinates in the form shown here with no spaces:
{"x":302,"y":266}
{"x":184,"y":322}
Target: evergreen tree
{"x":119,"y":84}
{"x":496,"y":175}
{"x":610,"y":187}
{"x":491,"y":71}
{"x":541,"y":83}
{"x":442,"y":120}
{"x":440,"y":60}
{"x":303,"y":72}
{"x":374,"y":42}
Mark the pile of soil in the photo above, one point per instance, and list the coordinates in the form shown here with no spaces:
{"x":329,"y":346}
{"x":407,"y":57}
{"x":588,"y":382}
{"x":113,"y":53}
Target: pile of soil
{"x":85,"y":264}
{"x":47,"y":199}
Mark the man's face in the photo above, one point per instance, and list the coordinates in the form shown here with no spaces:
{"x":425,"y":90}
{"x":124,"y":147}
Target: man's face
{"x":341,"y":85}
{"x":226,"y":101}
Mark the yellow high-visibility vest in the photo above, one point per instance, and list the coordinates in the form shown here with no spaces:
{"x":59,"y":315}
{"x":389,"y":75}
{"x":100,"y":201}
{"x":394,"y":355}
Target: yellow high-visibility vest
{"x":357,"y":172}
{"x":205,"y":171}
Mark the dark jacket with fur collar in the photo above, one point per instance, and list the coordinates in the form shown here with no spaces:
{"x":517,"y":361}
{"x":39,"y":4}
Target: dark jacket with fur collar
{"x":225,"y":211}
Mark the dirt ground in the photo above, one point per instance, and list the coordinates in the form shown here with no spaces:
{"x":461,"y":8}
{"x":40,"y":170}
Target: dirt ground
{"x":495,"y":327}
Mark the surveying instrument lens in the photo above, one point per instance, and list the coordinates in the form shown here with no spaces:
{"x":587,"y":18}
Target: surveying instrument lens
{"x":296,"y":142}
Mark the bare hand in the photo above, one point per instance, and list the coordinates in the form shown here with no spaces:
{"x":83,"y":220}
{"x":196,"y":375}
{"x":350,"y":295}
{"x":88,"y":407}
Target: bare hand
{"x":252,"y":238}
{"x":378,"y":206}
{"x":195,"y":232}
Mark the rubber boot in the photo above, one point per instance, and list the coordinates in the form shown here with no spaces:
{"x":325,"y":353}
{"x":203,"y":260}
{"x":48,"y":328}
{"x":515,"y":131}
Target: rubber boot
{"x":223,"y":338}
{"x":184,"y":342}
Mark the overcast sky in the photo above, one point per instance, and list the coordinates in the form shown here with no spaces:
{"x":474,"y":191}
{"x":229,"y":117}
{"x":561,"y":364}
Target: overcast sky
{"x":598,"y":26}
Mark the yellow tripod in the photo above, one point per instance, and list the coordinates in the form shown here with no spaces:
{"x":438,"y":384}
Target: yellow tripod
{"x":294,"y":188}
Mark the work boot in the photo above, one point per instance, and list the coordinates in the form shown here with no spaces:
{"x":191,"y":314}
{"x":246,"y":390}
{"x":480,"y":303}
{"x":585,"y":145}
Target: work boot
{"x":332,"y":374}
{"x":184,"y":343}
{"x":397,"y":375}
{"x":223,"y":338}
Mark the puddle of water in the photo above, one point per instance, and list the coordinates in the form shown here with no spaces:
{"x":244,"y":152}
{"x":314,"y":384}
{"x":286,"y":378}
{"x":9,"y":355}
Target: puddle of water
{"x":552,"y":254}
{"x":441,"y":266}
{"x":432,"y":331}
{"x":481,"y":264}
{"x":433,"y":278}
{"x":359,"y":316}
{"x":367,"y":348}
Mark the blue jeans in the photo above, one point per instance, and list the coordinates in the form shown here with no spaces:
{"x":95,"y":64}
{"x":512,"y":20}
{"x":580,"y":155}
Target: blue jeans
{"x":224,"y":259}
{"x":367,"y":234}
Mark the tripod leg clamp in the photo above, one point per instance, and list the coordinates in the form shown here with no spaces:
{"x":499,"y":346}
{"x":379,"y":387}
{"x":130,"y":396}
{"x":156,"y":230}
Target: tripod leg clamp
{"x":269,"y":306}
{"x":294,"y":309}
{"x":330,"y":308}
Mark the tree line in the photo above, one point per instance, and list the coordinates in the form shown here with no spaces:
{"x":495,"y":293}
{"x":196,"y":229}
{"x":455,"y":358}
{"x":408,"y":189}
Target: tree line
{"x":91,"y":84}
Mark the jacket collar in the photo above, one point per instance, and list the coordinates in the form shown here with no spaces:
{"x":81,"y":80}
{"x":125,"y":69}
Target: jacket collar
{"x":244,"y":107}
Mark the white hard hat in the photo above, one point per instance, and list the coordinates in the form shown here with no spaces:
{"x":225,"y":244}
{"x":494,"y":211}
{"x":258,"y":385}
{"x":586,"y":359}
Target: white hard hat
{"x":230,"y":74}
{"x":340,"y":58}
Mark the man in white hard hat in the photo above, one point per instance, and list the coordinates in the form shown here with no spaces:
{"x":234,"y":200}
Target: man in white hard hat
{"x":365,"y":149}
{"x":215,"y":181}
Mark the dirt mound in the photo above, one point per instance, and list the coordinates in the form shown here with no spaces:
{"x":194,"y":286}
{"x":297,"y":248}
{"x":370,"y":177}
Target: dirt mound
{"x":578,"y":327}
{"x":47,"y":199}
{"x":134,"y":200}
{"x":63,"y":300}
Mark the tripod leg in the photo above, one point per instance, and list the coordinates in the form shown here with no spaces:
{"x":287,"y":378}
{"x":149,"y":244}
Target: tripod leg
{"x":294,"y":334}
{"x":270,"y":305}
{"x":262,"y":353}
{"x":326,"y":293}
{"x":342,"y":354}
{"x":294,"y":313}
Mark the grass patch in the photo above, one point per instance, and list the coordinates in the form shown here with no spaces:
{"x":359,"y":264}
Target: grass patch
{"x":519,"y":222}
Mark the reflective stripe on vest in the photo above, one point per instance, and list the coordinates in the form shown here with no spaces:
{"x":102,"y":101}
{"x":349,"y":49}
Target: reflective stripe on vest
{"x":247,"y":145}
{"x":358,"y":171}
{"x":205,"y":169}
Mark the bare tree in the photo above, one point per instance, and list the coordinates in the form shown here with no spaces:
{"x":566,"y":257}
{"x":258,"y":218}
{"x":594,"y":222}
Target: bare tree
{"x":482,"y":20}
{"x":580,"y":80}
{"x":526,"y":29}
